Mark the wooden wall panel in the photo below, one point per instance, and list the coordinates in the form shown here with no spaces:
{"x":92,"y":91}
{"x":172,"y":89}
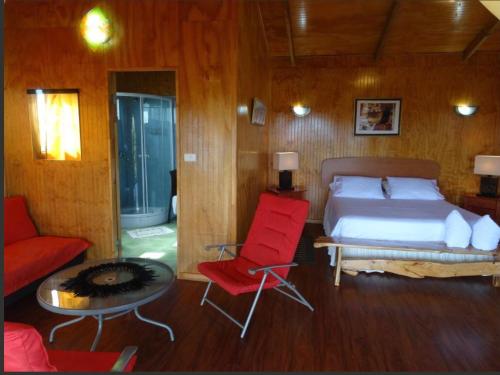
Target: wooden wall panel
{"x":44,"y":49}
{"x":254,"y":80}
{"x":429,"y":87}
{"x":207,"y":102}
{"x":152,"y":83}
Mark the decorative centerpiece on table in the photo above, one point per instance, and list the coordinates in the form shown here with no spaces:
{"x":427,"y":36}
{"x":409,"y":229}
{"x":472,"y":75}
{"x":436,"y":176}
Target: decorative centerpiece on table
{"x":109,"y":279}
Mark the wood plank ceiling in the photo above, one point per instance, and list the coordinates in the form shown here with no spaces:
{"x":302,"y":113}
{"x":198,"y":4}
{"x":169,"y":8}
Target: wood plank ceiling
{"x":378,"y":27}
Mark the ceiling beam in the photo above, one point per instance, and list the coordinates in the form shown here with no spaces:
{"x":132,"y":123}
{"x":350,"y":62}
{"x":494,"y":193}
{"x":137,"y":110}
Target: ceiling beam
{"x":263,"y":26}
{"x":480,"y":39}
{"x":387,"y":28}
{"x":291,"y":48}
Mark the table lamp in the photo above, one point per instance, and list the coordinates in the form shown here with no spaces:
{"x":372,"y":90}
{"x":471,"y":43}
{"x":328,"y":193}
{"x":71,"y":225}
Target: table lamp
{"x":488,"y":166}
{"x":285,"y":162}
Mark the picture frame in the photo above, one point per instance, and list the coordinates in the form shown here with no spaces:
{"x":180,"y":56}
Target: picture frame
{"x":377,"y":116}
{"x":258,"y":112}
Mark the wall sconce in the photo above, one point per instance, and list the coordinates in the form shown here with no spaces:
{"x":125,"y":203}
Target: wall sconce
{"x":55,"y":124}
{"x":300,"y":110}
{"x":96,"y":28}
{"x":466,"y":110}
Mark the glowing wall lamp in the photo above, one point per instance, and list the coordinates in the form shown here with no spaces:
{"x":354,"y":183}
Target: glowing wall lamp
{"x":301,"y":110}
{"x":96,"y":28}
{"x":55,"y":124}
{"x":466,"y":110}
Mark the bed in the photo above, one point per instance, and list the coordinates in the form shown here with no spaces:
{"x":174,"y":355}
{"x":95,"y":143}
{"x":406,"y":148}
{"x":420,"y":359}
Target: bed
{"x":404,"y":237}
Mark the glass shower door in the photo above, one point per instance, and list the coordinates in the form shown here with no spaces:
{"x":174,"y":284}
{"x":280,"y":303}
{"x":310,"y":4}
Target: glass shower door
{"x":158,"y":145}
{"x":130,"y":153}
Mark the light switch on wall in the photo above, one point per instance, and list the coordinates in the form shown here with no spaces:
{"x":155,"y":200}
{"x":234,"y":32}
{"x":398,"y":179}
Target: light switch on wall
{"x":190,"y":157}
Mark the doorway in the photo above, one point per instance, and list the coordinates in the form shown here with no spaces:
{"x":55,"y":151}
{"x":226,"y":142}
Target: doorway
{"x":146,"y":172}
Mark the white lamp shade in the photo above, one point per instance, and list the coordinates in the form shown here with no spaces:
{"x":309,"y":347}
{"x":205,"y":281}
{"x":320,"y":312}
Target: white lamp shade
{"x":286,"y":161}
{"x":488,"y":165}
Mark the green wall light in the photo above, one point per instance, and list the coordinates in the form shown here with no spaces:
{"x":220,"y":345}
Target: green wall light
{"x":96,"y":28}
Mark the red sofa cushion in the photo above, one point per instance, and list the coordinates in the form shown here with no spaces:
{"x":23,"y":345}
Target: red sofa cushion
{"x":232,"y":275}
{"x":24,"y":350}
{"x":17,"y":222}
{"x":28,"y":260}
{"x":71,"y":361}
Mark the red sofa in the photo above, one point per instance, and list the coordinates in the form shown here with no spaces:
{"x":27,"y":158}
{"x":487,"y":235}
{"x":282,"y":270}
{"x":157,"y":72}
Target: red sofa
{"x":29,"y":257}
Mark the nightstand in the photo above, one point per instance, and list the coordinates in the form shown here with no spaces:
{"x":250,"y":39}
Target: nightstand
{"x":297,"y":192}
{"x":483,"y":206}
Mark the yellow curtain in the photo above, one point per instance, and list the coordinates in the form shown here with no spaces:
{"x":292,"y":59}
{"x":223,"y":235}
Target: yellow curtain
{"x":56,"y":126}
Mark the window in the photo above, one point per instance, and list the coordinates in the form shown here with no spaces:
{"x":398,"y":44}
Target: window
{"x":55,"y":124}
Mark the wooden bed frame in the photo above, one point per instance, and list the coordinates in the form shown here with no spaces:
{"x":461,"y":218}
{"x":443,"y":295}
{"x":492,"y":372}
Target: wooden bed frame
{"x":383,"y":167}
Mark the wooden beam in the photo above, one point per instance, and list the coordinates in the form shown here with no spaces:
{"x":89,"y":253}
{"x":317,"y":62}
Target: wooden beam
{"x":263,"y":26}
{"x":480,"y":39}
{"x":338,"y":266}
{"x":419,"y":269}
{"x":418,"y":246}
{"x":288,"y":23}
{"x":385,"y":31}
{"x":496,"y":281}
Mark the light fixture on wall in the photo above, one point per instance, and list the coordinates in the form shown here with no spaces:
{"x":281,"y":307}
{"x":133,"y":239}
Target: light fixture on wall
{"x":301,"y":110}
{"x":488,"y":166}
{"x":285,"y":163}
{"x":465,"y":109}
{"x":55,"y":123}
{"x":96,"y":28}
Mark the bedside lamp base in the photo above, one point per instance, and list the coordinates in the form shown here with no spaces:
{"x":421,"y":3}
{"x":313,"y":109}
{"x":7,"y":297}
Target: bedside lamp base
{"x":488,"y":187}
{"x":285,"y":180}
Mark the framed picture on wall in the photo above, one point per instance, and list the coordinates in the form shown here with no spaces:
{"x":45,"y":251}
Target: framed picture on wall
{"x":377,"y":117}
{"x":258,"y":112}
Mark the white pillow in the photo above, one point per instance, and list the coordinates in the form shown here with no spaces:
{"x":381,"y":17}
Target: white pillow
{"x":413,"y":188}
{"x":357,"y":187}
{"x":457,"y":230}
{"x":485,"y":234}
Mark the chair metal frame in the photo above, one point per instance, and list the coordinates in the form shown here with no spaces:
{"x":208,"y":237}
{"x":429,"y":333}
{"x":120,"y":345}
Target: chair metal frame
{"x":125,"y":356}
{"x":268,"y":270}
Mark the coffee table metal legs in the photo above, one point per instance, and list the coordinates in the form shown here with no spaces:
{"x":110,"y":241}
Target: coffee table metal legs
{"x":65,"y":324}
{"x":100,"y":319}
{"x":98,"y":334}
{"x":153,"y":322}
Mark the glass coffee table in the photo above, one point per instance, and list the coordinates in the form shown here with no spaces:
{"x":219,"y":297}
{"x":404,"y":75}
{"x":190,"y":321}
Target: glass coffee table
{"x":53,"y":297}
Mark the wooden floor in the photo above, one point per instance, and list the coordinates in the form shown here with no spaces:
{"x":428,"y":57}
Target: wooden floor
{"x":372,"y":322}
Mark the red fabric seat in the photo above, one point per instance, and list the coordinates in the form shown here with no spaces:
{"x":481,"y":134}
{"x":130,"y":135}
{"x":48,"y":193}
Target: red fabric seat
{"x":270,"y":246}
{"x":28,"y":256}
{"x":232,"y":275}
{"x":28,"y":260}
{"x":72,"y":361}
{"x":272,"y":239}
{"x":24,"y":352}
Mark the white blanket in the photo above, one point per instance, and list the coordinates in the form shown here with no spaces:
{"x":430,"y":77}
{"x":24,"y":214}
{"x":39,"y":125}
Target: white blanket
{"x":390,"y":219}
{"x":393,"y":220}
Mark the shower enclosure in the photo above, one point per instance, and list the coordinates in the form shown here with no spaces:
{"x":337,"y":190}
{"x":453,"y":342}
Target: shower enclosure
{"x":146,"y":155}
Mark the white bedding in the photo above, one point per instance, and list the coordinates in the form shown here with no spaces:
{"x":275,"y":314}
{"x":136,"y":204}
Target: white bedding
{"x":393,"y":220}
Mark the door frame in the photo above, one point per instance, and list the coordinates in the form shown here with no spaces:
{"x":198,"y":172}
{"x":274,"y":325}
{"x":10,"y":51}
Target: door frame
{"x":113,"y":152}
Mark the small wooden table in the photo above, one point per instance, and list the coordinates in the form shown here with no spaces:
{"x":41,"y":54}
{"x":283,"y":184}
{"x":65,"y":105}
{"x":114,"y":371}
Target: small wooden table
{"x":410,"y":268}
{"x":297,"y":192}
{"x":483,"y":206}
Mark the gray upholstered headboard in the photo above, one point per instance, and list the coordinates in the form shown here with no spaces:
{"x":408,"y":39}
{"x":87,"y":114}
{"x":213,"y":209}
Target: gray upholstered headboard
{"x":378,"y":167}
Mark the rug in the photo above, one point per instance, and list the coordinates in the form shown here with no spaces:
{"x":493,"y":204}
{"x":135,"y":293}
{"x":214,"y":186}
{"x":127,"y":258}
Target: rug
{"x":149,"y":232}
{"x":305,"y":250}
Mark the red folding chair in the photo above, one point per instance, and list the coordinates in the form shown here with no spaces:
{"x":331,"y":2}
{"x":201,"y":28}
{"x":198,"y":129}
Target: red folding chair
{"x":266,"y":256}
